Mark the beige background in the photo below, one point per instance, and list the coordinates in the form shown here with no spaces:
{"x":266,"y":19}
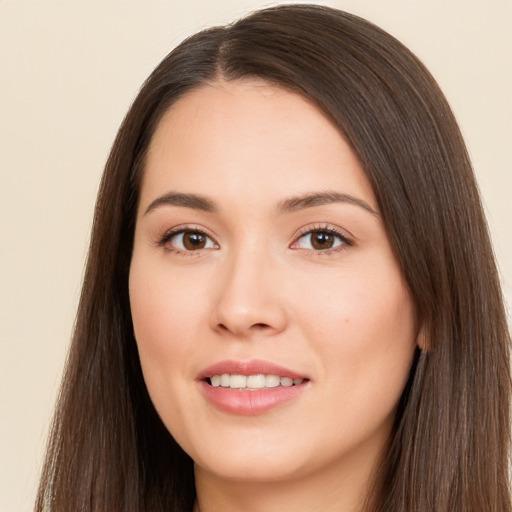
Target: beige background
{"x":69,"y":71}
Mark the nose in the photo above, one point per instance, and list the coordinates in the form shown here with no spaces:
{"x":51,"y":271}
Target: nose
{"x":248,"y":297}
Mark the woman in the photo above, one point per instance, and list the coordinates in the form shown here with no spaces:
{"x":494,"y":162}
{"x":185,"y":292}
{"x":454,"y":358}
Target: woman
{"x":290,"y":299}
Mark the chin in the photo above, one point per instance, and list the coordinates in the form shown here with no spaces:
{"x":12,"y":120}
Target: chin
{"x":263,"y":461}
{"x":254,"y":470}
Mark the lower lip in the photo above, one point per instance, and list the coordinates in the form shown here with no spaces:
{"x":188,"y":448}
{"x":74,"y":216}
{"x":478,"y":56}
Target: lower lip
{"x":250,"y":403}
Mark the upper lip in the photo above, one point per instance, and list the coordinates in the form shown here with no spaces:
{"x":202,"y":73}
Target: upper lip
{"x":252,"y":367}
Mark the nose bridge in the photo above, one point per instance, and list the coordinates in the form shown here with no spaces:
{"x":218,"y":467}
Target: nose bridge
{"x":247,"y":297}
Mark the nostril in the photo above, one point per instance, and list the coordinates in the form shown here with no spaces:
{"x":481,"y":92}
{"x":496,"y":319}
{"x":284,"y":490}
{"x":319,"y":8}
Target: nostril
{"x":260,"y":326}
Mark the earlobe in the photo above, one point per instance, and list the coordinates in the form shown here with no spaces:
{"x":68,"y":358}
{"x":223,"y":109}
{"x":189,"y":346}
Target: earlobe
{"x":422,"y":340}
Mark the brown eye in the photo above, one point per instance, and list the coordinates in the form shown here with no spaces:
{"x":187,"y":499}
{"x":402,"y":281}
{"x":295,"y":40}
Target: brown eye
{"x":321,"y":240}
{"x":191,"y":241}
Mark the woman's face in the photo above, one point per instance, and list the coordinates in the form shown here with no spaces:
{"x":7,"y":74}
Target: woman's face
{"x":274,"y":328}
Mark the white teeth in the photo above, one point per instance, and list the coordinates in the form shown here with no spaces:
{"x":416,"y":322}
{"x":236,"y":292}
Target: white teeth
{"x":258,"y":381}
{"x":272,"y":381}
{"x":238,"y":381}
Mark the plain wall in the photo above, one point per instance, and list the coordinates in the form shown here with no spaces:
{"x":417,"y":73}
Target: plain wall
{"x":69,"y":71}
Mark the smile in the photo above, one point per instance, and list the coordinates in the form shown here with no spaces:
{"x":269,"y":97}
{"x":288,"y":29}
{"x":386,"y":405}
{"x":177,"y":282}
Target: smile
{"x":252,"y":382}
{"x":250,"y":388}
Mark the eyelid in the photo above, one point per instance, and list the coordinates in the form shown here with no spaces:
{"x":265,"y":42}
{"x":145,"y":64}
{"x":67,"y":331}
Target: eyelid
{"x":347,"y":241}
{"x":163,"y":240}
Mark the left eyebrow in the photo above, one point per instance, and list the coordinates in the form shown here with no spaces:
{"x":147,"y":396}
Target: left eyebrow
{"x":321,"y":198}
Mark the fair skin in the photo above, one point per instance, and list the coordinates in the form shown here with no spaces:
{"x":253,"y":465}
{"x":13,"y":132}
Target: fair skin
{"x":258,"y":242}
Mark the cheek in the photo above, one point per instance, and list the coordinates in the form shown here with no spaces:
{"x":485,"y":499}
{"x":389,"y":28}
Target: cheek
{"x":358,"y":307}
{"x":364,"y":330}
{"x":165,"y":314}
{"x":164,"y":309}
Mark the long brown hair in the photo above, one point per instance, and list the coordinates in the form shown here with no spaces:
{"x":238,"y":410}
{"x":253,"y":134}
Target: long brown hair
{"x":109,"y":451}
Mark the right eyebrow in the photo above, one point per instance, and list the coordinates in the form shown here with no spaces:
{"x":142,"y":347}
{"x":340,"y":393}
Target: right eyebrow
{"x":194,"y":201}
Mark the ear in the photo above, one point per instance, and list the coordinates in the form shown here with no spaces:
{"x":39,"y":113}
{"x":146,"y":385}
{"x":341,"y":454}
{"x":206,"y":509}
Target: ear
{"x":422,"y":339}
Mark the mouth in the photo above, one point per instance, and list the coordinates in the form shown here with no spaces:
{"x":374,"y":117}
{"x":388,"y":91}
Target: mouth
{"x":250,"y":388}
{"x":252,"y":382}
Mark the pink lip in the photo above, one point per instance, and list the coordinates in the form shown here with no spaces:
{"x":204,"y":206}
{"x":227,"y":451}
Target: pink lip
{"x":244,"y":402}
{"x":252,"y":367}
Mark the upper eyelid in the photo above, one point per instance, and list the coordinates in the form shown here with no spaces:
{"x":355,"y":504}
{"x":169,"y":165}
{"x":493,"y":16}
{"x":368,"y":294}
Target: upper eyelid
{"x":163,"y":240}
{"x":305,"y":230}
{"x":347,"y":241}
{"x":187,"y":227}
{"x":168,"y":234}
{"x":342,"y":233}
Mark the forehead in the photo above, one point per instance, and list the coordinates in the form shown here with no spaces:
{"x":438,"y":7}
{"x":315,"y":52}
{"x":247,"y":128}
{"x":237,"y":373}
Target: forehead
{"x":250,"y":136}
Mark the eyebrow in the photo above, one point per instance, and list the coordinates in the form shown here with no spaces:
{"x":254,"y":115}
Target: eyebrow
{"x":289,"y":205}
{"x":319,"y":199}
{"x":186,"y":200}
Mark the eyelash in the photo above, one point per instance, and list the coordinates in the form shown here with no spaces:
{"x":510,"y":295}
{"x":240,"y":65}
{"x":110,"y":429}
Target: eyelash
{"x":345,"y":241}
{"x":322,"y":228}
{"x":171,"y":233}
